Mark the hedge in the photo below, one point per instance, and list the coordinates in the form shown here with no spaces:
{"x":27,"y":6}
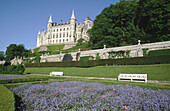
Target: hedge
{"x":19,"y":80}
{"x":164,"y":59}
{"x":7,"y":100}
{"x":159,"y":52}
{"x":12,"y":69}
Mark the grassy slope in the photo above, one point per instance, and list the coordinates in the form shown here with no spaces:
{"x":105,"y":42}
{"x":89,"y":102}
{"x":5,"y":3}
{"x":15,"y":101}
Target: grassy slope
{"x":155,"y":72}
{"x":6,"y":99}
{"x":75,"y":48}
{"x":54,"y":47}
{"x":36,"y":50}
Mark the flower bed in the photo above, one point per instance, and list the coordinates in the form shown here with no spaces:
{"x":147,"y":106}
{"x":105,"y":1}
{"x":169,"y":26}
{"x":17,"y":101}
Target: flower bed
{"x":73,"y":95}
{"x":10,"y":76}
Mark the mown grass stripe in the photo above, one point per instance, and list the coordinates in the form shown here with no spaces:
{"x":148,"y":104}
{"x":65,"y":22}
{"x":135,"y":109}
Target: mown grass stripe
{"x":7,"y":100}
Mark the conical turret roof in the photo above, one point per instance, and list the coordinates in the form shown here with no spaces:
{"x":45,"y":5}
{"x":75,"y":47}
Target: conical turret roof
{"x":50,"y":19}
{"x":73,"y":17}
{"x":88,"y":18}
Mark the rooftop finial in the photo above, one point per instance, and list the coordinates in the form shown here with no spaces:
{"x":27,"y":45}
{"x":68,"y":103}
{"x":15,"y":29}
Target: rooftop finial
{"x":50,"y":19}
{"x":73,"y":17}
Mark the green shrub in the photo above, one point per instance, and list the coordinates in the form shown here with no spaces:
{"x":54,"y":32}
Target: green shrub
{"x":159,"y":52}
{"x":37,"y":59}
{"x":20,"y":69}
{"x":20,"y":80}
{"x":3,"y":69}
{"x":12,"y":69}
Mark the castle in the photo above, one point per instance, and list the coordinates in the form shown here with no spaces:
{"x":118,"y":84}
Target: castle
{"x":64,"y":33}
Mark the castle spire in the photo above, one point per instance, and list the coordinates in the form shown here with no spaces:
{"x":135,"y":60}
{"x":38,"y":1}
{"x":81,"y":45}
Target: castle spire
{"x":73,"y":17}
{"x":39,"y":32}
{"x":50,"y":19}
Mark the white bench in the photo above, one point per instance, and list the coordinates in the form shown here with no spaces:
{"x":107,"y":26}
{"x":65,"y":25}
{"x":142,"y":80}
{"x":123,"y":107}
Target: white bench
{"x":56,"y":74}
{"x":133,"y":77}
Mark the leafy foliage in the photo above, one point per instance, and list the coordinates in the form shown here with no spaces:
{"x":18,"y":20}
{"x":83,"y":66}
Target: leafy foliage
{"x":128,"y":21}
{"x":12,"y":69}
{"x":80,"y":41}
{"x":152,"y":17}
{"x":110,"y":26}
{"x":2,"y":56}
{"x":14,"y":50}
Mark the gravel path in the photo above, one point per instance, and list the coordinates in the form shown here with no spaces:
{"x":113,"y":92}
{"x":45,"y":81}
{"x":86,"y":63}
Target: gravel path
{"x":148,"y":81}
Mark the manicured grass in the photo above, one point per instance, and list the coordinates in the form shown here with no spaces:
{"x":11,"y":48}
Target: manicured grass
{"x":48,"y":79}
{"x":7,"y":99}
{"x":155,"y":72}
{"x":55,"y":47}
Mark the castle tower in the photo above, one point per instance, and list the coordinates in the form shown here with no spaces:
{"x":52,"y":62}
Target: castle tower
{"x":88,"y":22}
{"x":38,"y":39}
{"x":73,"y":26}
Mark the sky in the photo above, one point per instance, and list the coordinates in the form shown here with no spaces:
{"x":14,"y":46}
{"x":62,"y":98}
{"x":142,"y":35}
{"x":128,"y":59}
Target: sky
{"x":20,"y":20}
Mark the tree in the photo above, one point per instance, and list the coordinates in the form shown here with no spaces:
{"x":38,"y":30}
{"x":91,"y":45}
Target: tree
{"x":80,"y":41}
{"x":108,"y":28}
{"x":2,"y":56}
{"x":14,"y":50}
{"x":152,"y":17}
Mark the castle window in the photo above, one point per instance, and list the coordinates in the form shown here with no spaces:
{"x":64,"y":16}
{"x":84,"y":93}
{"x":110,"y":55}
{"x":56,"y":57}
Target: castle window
{"x":54,"y":30}
{"x":60,"y":35}
{"x":67,"y":28}
{"x":67,"y":40}
{"x":53,"y":41}
{"x":67,"y":34}
{"x":60,"y":40}
{"x":57,"y":29}
{"x":53,"y":36}
{"x":57,"y":35}
{"x":64,"y":28}
{"x":56,"y":41}
{"x":60,"y":29}
{"x":63,"y":34}
{"x":63,"y":40}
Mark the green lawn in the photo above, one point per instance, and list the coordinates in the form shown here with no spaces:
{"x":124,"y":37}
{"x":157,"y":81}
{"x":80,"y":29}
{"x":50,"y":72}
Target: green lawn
{"x":155,"y":72}
{"x":7,"y":100}
{"x":55,"y":47}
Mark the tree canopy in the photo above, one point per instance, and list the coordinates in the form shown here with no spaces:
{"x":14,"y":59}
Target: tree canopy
{"x":2,"y":56}
{"x":122,"y":23}
{"x":14,"y":50}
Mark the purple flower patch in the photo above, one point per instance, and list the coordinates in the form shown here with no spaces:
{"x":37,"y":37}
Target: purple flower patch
{"x":10,"y":76}
{"x":82,"y":96}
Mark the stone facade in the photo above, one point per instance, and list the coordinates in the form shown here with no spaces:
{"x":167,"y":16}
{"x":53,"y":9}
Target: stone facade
{"x":64,"y":33}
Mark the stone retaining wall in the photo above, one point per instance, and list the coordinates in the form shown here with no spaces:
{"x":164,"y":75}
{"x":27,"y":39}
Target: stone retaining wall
{"x":135,"y":51}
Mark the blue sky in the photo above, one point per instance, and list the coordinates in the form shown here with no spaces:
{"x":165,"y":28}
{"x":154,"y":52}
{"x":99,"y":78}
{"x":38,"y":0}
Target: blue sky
{"x":20,"y":20}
